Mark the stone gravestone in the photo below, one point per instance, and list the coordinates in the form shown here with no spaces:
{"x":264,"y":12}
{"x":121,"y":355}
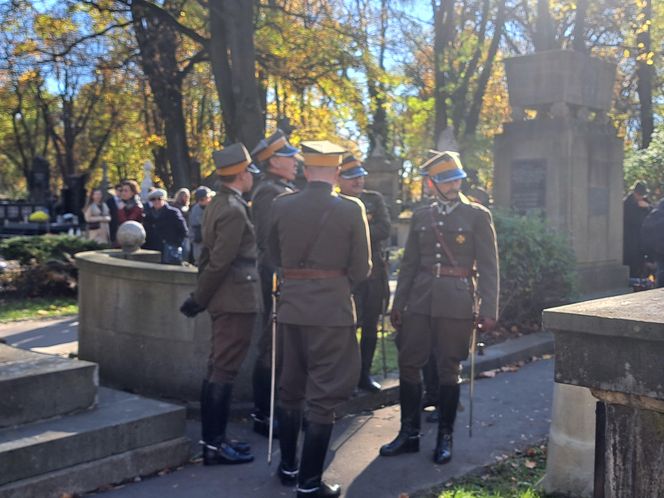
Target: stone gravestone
{"x":383,"y":177}
{"x":39,"y":185}
{"x":565,"y":164}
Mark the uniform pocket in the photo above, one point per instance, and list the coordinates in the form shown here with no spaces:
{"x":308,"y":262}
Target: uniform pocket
{"x":244,"y":274}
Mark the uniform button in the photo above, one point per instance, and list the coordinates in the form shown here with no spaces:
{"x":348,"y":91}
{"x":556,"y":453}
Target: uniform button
{"x":437,"y":245}
{"x":248,"y":277}
{"x":440,"y":223}
{"x":438,"y":256}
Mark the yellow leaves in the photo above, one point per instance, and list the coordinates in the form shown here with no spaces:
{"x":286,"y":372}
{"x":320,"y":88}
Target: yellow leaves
{"x":626,"y":53}
{"x":49,"y":27}
{"x":155,"y":141}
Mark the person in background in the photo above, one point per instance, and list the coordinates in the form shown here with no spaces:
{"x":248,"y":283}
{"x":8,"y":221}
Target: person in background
{"x":371,"y":296}
{"x":278,"y":161}
{"x":165,"y":228}
{"x":97,"y":217}
{"x":181,"y":200}
{"x":112,"y":202}
{"x":202,"y":196}
{"x":130,"y":207}
{"x":635,"y":208}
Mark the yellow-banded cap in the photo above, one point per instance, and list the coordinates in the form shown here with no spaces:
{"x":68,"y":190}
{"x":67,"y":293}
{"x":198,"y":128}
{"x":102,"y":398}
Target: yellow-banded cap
{"x":232,"y":160}
{"x":351,"y":167}
{"x":322,"y":153}
{"x":274,"y":145}
{"x":443,"y":167}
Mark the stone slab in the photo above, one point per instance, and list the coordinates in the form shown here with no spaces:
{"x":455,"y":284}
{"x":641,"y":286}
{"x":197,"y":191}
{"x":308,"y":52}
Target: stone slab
{"x":90,"y":476}
{"x":37,"y":386}
{"x":511,"y":351}
{"x":121,"y":422}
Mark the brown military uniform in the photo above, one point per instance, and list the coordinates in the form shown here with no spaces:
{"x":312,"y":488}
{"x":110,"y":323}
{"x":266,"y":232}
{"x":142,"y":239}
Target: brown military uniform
{"x":437,"y":305}
{"x":261,"y":209}
{"x":320,"y":354}
{"x":228,"y":282}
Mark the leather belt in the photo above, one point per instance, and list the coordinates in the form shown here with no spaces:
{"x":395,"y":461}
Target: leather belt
{"x":311,"y":273}
{"x":439,"y":270}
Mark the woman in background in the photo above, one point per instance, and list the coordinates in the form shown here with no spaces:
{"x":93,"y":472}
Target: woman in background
{"x":97,"y":217}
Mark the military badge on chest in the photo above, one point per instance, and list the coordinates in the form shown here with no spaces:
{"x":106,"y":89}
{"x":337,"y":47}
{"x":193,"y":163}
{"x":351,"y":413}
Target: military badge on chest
{"x":460,"y":239}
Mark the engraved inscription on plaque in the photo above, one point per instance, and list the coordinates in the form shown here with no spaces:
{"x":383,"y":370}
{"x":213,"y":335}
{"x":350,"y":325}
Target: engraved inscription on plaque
{"x":529,"y":186}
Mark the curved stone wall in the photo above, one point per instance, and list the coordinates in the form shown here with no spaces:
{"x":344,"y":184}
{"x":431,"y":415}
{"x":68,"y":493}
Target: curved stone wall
{"x":130,"y":324}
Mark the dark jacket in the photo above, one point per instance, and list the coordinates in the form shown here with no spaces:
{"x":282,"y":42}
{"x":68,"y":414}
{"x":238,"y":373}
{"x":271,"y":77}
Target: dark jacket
{"x":113,"y":211}
{"x":268,"y":189}
{"x":227,"y":274}
{"x":469,"y":234}
{"x":379,"y":227}
{"x":633,"y":216}
{"x":164,"y":225}
{"x":342,"y":244}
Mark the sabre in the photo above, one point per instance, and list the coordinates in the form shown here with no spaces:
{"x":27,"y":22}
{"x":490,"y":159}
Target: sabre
{"x":273,"y":367}
{"x":386,"y":302}
{"x":473,"y":349}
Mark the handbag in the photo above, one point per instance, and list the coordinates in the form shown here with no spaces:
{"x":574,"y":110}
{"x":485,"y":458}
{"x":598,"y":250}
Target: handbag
{"x":171,"y":254}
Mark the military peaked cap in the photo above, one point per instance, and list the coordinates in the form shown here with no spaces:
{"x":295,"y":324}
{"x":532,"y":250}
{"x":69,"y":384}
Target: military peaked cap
{"x":351,"y":167}
{"x":232,"y":160}
{"x":322,"y":153}
{"x":443,"y":167}
{"x":274,"y":145}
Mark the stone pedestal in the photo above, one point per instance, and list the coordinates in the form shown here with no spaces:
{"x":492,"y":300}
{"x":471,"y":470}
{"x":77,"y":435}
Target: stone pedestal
{"x":384,"y":178}
{"x":615,"y":347}
{"x":570,"y":461}
{"x":565,"y":164}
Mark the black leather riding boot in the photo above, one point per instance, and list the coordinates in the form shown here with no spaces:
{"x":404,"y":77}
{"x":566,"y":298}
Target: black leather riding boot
{"x":408,"y":439}
{"x":448,"y":400}
{"x":367,"y":349}
{"x":215,"y":411}
{"x":430,"y":376}
{"x":261,"y":379}
{"x":310,"y":482}
{"x":289,"y":422}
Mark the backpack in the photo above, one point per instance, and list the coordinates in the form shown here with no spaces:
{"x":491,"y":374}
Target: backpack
{"x":652,"y":233}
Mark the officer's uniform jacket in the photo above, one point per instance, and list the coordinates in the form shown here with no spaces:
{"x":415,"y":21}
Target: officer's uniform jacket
{"x":268,"y":189}
{"x":227,"y":275}
{"x":470,"y":236}
{"x":343,"y":244}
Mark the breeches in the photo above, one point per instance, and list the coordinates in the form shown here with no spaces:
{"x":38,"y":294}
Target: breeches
{"x":419,"y":335}
{"x":320,"y":366}
{"x":231,"y":338}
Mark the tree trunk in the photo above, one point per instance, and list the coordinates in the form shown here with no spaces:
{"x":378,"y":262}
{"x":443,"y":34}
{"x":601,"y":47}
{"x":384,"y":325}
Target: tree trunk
{"x":158,"y":44}
{"x":645,"y":70}
{"x":579,"y":43}
{"x":233,"y":61}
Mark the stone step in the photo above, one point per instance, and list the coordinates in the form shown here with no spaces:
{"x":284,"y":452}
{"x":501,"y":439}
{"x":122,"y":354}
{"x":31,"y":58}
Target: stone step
{"x":90,"y":476}
{"x":121,"y":422}
{"x":37,"y":386}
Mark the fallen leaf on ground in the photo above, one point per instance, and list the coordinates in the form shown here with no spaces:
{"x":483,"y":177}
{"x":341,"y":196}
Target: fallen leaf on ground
{"x":530,"y":464}
{"x":489,"y":374}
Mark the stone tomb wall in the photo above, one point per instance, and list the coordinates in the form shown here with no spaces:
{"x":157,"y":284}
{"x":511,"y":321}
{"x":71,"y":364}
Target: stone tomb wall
{"x":130,"y":324}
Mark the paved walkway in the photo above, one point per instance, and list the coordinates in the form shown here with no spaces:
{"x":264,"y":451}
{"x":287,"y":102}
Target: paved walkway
{"x":512,"y":410}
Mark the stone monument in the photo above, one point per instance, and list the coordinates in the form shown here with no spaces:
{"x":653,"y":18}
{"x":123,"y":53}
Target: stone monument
{"x":383,"y":177}
{"x":146,"y":184}
{"x":39,"y":182}
{"x":565,"y":162}
{"x":614,"y":347}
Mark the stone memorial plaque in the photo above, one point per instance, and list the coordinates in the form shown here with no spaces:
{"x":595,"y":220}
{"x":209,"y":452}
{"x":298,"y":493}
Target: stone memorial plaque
{"x":528,"y":186}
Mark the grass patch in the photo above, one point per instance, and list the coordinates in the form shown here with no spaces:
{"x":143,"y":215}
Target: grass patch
{"x":34,"y":308}
{"x":391,"y":353}
{"x":514,"y":476}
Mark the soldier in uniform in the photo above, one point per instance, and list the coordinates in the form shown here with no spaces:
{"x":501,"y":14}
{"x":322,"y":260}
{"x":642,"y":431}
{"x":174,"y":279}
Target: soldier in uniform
{"x":371,"y":295}
{"x":320,"y":240}
{"x":450,"y":253}
{"x":228,"y":287}
{"x":278,"y":160}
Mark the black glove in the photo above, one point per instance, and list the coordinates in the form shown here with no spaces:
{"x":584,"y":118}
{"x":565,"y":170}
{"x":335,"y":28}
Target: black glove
{"x":190,"y":308}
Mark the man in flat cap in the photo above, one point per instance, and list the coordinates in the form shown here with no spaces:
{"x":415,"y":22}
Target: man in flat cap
{"x":320,"y":240}
{"x":229,"y":288}
{"x":451,"y":252}
{"x":370,"y":296}
{"x":279,"y":164}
